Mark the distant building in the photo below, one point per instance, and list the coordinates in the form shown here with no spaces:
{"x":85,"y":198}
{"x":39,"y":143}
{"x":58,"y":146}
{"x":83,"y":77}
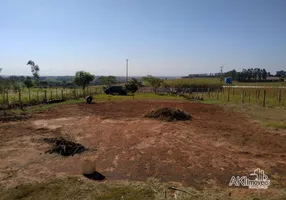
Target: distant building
{"x":274,"y":78}
{"x":210,"y":75}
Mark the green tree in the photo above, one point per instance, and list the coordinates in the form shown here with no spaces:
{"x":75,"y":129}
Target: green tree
{"x":264,"y":74}
{"x":232,"y":74}
{"x":153,"y":81}
{"x":132,"y":86}
{"x":107,"y":80}
{"x":28,"y":83}
{"x":82,"y":79}
{"x":35,"y":71}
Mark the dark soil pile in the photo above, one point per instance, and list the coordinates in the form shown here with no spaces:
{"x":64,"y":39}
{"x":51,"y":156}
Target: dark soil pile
{"x":169,"y":114}
{"x":64,"y":147}
{"x":55,"y":101}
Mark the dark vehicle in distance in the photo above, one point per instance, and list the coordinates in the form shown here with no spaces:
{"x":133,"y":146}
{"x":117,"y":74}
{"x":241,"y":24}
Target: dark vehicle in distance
{"x":116,"y":90}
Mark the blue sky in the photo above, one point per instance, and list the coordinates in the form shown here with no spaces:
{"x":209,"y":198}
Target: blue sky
{"x":160,"y":37}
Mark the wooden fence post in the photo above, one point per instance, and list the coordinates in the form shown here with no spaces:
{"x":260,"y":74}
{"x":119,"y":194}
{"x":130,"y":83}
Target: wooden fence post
{"x":209,"y":93}
{"x":45,"y":96}
{"x":279,"y":96}
{"x":7,"y":98}
{"x":56,"y":93}
{"x":20,"y":99}
{"x":62,"y":94}
{"x":51,"y":94}
{"x":256,"y":95}
{"x":264,"y":97}
{"x":228,"y":94}
{"x":217,"y":94}
{"x":38,"y":96}
{"x":29,"y":91}
{"x":242,"y":96}
{"x":249,"y":97}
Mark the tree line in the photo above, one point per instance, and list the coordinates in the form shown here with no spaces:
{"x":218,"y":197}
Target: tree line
{"x":81,"y":79}
{"x":252,"y":74}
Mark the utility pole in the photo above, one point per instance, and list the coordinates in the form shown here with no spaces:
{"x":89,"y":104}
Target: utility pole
{"x":221,"y":78}
{"x":127,"y":70}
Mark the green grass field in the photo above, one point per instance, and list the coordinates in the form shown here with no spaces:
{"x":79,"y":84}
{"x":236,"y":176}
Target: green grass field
{"x":214,"y":82}
{"x":194,"y":83}
{"x":199,"y":84}
{"x":38,"y":95}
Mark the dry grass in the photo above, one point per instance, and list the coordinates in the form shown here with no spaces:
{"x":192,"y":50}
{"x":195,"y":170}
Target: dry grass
{"x":81,"y":188}
{"x":271,"y":117}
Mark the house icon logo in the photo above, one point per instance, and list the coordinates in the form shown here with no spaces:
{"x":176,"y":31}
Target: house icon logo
{"x":260,"y":180}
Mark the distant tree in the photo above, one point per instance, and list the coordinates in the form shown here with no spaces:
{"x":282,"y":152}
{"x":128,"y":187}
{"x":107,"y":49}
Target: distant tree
{"x":281,"y":73}
{"x":259,"y":75}
{"x":7,"y":85}
{"x":28,"y":83}
{"x":153,"y":81}
{"x":35,"y":71}
{"x":82,"y":79}
{"x":265,"y":74}
{"x":107,"y":80}
{"x":44,"y":84}
{"x":64,"y":82}
{"x":132,"y":86}
{"x":232,"y":74}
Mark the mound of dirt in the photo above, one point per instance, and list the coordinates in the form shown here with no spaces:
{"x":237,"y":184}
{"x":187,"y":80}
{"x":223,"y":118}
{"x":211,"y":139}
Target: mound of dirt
{"x":169,"y":114}
{"x":64,"y":147}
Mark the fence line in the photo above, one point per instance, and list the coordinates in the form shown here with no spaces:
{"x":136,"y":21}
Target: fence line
{"x":27,"y":97}
{"x":266,"y":96}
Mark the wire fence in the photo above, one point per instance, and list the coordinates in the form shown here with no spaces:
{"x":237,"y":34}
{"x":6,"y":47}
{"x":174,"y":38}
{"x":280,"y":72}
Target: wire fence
{"x":267,"y":96}
{"x":260,"y":96}
{"x":26,"y":97}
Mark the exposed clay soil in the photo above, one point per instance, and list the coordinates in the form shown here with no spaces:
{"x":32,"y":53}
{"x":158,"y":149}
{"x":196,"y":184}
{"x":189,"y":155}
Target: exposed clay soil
{"x":203,"y":152}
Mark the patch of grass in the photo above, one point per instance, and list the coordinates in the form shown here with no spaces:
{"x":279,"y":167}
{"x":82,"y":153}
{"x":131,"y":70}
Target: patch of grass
{"x":140,"y":96}
{"x":46,"y":106}
{"x":194,"y":83}
{"x":274,"y":84}
{"x":274,"y":117}
{"x":76,"y":188}
{"x":152,"y":189}
{"x":99,"y":98}
{"x":215,"y":82}
{"x":275,"y":125}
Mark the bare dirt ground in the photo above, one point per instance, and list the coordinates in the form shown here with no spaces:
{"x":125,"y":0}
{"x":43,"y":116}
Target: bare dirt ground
{"x":202,"y":153}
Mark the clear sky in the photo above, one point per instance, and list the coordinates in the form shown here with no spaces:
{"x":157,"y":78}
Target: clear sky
{"x":160,"y":37}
